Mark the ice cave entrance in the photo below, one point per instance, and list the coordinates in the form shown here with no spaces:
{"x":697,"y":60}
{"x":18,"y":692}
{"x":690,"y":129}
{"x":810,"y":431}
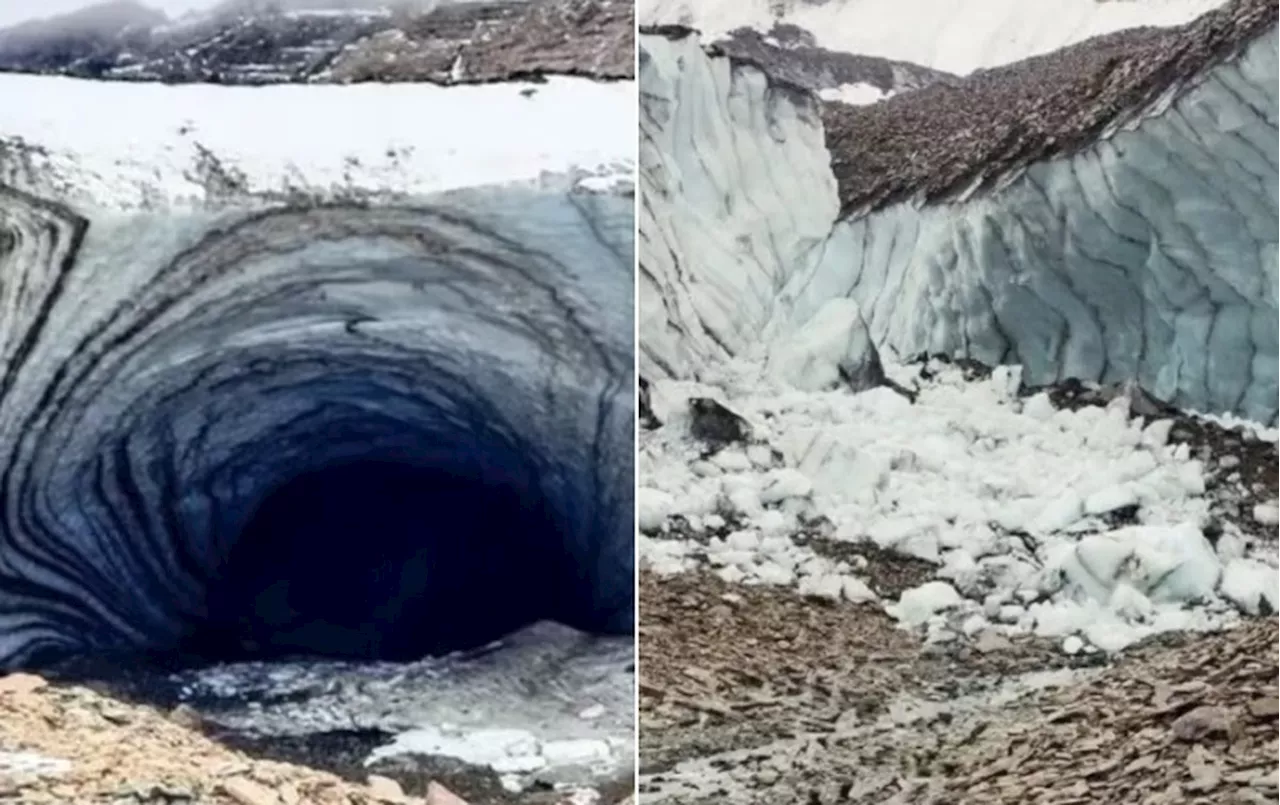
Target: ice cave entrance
{"x":380,"y":560}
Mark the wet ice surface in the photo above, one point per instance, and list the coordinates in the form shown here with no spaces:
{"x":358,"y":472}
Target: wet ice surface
{"x":545,"y":705}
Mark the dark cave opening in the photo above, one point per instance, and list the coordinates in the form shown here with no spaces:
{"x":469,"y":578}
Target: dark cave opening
{"x":380,"y":560}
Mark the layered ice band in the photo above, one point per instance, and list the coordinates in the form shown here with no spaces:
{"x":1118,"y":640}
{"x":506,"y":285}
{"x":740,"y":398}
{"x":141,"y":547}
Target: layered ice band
{"x":209,"y":295}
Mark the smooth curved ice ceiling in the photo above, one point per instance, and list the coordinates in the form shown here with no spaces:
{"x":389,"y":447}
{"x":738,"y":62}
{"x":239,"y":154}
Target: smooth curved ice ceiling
{"x":175,"y":352}
{"x":1150,"y":255}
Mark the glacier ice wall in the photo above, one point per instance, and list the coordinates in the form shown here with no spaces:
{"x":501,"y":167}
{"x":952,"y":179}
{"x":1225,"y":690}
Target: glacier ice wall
{"x":165,"y":366}
{"x":1150,"y":255}
{"x":735,"y":190}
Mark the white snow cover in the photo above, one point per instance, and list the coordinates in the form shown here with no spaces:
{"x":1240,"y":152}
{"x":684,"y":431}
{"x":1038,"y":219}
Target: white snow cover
{"x":125,"y":144}
{"x":859,"y":94}
{"x":1008,"y":496}
{"x":942,"y":34}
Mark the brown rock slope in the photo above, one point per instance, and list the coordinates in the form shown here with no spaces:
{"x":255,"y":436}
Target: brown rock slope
{"x":498,"y":42}
{"x":942,"y":139}
{"x":1190,"y":721}
{"x":63,"y":744}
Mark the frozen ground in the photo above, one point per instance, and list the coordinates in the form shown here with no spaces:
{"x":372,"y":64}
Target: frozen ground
{"x":547,"y":705}
{"x":957,"y":38}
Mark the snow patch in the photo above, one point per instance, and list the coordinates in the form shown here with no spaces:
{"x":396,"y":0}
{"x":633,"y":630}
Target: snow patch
{"x":859,"y":94}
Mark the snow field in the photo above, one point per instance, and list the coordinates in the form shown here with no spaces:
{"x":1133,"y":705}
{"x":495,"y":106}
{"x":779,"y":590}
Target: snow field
{"x":152,"y":143}
{"x":1084,"y":526}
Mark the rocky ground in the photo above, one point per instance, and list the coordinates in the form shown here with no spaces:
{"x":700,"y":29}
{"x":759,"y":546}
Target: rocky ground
{"x":752,"y":694}
{"x":441,"y":43}
{"x":790,"y":54}
{"x":308,"y":732}
{"x":759,"y":694}
{"x":939,"y":140}
{"x":68,"y":744}
{"x":62,"y":743}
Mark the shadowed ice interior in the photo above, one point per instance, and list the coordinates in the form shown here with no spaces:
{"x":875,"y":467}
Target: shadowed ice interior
{"x":374,"y":434}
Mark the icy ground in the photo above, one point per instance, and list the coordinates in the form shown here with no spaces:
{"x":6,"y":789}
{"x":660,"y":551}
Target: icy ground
{"x":544,"y":706}
{"x":153,"y":143}
{"x":1089,"y":526}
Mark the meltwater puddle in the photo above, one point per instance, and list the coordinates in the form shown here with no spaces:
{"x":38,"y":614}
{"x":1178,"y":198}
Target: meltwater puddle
{"x":547,"y":708}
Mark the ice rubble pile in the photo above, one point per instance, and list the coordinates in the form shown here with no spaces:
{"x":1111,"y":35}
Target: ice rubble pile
{"x":1018,"y":503}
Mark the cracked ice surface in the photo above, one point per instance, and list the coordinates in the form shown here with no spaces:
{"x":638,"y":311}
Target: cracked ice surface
{"x":735,"y":192}
{"x":1150,"y":256}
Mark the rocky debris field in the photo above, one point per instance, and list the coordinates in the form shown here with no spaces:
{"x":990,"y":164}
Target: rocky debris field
{"x":755,"y":694}
{"x":814,"y":630}
{"x":448,"y":43}
{"x":791,"y":54}
{"x":938,"y":141}
{"x":68,"y":744}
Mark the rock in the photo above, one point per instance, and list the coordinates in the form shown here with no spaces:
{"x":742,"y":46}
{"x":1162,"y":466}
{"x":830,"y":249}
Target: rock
{"x":1202,"y":722}
{"x":247,"y":792}
{"x":1205,"y":774}
{"x":715,"y":424}
{"x":1264,"y":708}
{"x":439,"y":795}
{"x":989,"y":642}
{"x":185,"y":715}
{"x":384,"y":789}
{"x":21,"y":683}
{"x":648,"y":420}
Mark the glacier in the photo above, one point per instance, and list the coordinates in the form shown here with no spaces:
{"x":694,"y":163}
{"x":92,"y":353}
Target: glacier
{"x":1148,"y":255}
{"x":209,"y":295}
